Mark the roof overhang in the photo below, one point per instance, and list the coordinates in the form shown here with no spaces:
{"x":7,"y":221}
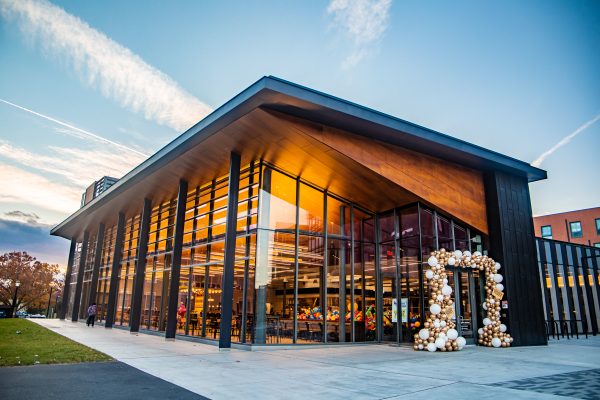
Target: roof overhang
{"x":270,"y":93}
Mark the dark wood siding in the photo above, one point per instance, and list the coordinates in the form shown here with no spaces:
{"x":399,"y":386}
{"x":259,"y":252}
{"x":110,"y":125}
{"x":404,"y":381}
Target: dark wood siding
{"x":512,"y":243}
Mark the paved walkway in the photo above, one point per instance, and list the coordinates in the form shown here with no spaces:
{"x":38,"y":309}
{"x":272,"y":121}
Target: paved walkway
{"x":354,"y":372}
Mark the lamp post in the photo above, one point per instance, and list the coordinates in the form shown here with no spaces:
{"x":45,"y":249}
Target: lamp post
{"x":52,"y":284}
{"x":14,"y":303}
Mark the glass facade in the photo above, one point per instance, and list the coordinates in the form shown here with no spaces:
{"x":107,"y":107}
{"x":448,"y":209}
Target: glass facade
{"x":104,"y":272}
{"x":127,"y":270}
{"x":310,"y":266}
{"x":87,"y":276}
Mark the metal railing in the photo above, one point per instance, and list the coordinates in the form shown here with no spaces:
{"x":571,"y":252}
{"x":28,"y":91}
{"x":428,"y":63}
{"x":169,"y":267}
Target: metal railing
{"x":568,"y":328}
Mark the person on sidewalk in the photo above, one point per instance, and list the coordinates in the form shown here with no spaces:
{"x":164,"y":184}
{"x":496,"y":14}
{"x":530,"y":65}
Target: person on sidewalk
{"x":91,"y":311}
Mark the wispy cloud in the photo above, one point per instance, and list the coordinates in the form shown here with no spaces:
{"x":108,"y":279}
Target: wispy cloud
{"x":564,"y":141}
{"x":75,"y":131}
{"x":363,"y":21}
{"x":79,"y":167}
{"x":22,"y":187}
{"x":25,"y":217}
{"x":106,"y":65}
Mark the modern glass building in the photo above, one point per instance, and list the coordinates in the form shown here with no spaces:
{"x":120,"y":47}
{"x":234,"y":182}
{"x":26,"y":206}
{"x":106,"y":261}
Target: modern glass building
{"x":289,"y":216}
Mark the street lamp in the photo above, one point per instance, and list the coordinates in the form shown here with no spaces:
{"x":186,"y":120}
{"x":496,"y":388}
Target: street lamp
{"x":52,"y":286}
{"x":14,"y":304}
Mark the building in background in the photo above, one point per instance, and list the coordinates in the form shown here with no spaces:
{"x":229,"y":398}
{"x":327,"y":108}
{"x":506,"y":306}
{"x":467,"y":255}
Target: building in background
{"x":97,"y":188}
{"x":289,"y":216}
{"x":580,"y":227}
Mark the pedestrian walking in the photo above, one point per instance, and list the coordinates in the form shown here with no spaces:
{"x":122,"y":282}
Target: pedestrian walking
{"x":91,"y":311}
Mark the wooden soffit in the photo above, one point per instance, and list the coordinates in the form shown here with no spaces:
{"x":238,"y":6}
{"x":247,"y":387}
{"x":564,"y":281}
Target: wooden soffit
{"x":452,"y":188}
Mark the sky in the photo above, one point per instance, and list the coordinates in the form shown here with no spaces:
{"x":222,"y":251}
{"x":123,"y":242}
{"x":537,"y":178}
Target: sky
{"x":92,"y":88}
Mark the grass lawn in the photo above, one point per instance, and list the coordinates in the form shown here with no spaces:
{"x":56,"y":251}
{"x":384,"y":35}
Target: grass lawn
{"x":37,"y":345}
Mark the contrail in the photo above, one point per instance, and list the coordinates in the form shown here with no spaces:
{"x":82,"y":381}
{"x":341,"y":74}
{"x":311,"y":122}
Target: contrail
{"x":103,"y":64}
{"x":87,"y":133}
{"x":564,"y":141}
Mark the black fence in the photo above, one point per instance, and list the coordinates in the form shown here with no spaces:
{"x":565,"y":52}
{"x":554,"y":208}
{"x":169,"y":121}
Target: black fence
{"x":570,"y":279}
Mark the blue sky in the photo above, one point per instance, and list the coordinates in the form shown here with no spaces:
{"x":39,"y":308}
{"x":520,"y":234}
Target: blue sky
{"x":515,"y":77}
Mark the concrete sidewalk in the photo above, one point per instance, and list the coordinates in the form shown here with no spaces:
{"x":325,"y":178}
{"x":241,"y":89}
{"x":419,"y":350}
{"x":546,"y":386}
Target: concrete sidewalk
{"x":354,"y":372}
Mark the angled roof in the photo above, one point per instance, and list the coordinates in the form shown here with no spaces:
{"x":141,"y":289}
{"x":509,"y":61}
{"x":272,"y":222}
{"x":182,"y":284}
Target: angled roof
{"x":279,"y":95}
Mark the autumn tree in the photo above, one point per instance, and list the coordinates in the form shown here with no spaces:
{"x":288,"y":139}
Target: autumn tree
{"x":36,"y":279}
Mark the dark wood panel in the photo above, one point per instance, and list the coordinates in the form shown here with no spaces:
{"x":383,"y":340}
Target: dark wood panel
{"x":512,"y":243}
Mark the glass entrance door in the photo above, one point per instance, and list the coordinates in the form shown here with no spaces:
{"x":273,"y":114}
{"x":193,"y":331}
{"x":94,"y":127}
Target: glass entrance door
{"x":466,"y":284}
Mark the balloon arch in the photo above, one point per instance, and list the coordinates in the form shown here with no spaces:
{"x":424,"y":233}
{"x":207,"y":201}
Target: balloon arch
{"x":439,"y":333}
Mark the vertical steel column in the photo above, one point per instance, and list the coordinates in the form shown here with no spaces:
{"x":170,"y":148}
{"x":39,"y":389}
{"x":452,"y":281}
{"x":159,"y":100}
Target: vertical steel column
{"x":398,"y":278}
{"x":176,"y":266}
{"x":296,"y":262}
{"x":114,"y":273}
{"x":140,"y":269}
{"x":378,"y":281}
{"x":352,"y":289}
{"x":342,"y":277}
{"x":324,"y":268}
{"x":67,"y":288}
{"x":229,"y":262}
{"x":78,"y":287}
{"x":97,"y":259}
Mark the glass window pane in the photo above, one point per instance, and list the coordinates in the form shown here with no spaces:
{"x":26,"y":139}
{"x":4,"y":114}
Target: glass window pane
{"x":311,"y":209}
{"x":278,"y":201}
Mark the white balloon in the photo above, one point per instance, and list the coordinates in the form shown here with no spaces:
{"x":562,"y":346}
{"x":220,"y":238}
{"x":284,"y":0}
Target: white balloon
{"x":484,"y":306}
{"x":497,"y":266}
{"x":461,"y":342}
{"x":420,"y":347}
{"x":436,"y":276}
{"x":435,"y":309}
{"x":440,"y":297}
{"x":424,"y":334}
{"x":431,"y":347}
{"x":507,"y":340}
{"x":452,"y":334}
{"x":440,"y":343}
{"x":443,"y":324}
{"x":502,"y":328}
{"x":436,"y":323}
{"x":496,"y":342}
{"x":429,"y":274}
{"x":480,"y":331}
{"x":432,"y":261}
{"x":442,"y":335}
{"x":457,"y":254}
{"x":486,"y":321}
{"x":492,"y":301}
{"x":446,"y":290}
{"x":497,"y":278}
{"x":445,"y":281}
{"x":466,"y":253}
{"x":451,"y":261}
{"x":500,"y":287}
{"x":477,"y":254}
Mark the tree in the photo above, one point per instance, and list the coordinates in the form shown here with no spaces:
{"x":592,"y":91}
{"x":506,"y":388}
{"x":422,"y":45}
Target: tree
{"x":36,"y":278}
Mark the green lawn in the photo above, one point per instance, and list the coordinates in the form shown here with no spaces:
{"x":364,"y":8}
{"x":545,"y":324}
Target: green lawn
{"x":24,"y":342}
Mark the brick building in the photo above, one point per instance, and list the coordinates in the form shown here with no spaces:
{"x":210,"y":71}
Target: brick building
{"x":581,"y":226}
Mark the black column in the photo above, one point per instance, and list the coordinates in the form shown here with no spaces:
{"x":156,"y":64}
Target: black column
{"x":229,"y":262}
{"x":114,"y":272}
{"x":140,"y":269}
{"x":97,"y":259}
{"x":512,"y":244}
{"x":78,"y":287}
{"x":67,"y":287}
{"x":176,"y":265}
